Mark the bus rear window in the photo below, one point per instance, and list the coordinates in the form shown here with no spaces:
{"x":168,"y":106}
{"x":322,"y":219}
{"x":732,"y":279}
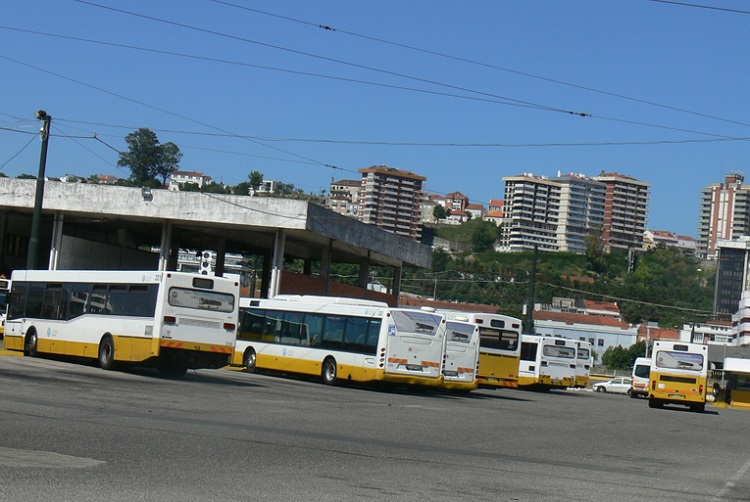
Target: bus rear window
{"x":459,"y":332}
{"x":559,"y":351}
{"x":671,"y":359}
{"x":202,"y":300}
{"x":416,"y":322}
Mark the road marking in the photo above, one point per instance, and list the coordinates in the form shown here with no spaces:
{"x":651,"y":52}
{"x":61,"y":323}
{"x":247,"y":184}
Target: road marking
{"x":732,"y":481}
{"x":11,"y":457}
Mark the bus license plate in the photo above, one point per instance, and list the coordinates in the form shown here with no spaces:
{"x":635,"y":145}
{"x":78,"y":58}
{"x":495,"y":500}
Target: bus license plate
{"x":414,"y":367}
{"x":677,"y":396}
{"x":449,"y":373}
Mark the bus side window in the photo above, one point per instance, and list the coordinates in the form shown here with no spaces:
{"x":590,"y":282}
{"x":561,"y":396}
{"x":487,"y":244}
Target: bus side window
{"x":314,"y":325}
{"x":34,"y":300}
{"x":373,"y":334}
{"x":17,"y":305}
{"x":333,"y":331}
{"x":355,"y":334}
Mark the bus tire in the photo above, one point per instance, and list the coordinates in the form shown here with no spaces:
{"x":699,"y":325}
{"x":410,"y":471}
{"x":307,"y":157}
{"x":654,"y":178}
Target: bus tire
{"x":173,"y":371}
{"x":699,"y":408}
{"x":30,"y":348}
{"x":249,"y":361}
{"x":329,"y":371}
{"x":107,"y":353}
{"x":654,"y":403}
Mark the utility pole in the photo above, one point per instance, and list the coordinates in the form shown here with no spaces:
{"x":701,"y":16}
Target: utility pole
{"x":32,"y":258}
{"x":532,"y":293}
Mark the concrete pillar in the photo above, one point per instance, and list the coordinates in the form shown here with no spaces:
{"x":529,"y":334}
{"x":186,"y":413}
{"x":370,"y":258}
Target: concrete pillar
{"x":221,"y":254}
{"x":325,"y":265}
{"x":57,"y":232}
{"x":278,"y":262}
{"x":165,"y":247}
{"x":364,"y":273}
{"x":396,"y":289}
{"x":265,"y":277}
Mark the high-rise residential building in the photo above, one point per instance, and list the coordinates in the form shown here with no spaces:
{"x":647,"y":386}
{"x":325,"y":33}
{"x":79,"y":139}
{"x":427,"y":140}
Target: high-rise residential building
{"x":531,"y":213}
{"x":582,"y":209}
{"x":625,"y":211}
{"x":724,"y":213}
{"x":390,"y":198}
{"x":554,"y":214}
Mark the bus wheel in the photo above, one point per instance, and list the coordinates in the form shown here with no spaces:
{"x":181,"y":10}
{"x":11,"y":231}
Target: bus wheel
{"x":654,"y":403}
{"x":173,"y":371}
{"x":30,"y":349}
{"x":249,"y":361}
{"x":107,"y":353}
{"x":700,"y":408}
{"x":329,"y":371}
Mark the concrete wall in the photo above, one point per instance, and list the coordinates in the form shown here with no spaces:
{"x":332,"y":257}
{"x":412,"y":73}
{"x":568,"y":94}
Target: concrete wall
{"x":80,"y":254}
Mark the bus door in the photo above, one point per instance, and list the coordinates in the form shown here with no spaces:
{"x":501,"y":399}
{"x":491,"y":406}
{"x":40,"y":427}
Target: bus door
{"x":414,"y":343}
{"x":461,"y":352}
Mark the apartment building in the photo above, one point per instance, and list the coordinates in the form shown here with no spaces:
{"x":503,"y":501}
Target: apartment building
{"x":625,"y":212}
{"x":390,"y":198}
{"x":343,"y":197}
{"x":554,"y":214}
{"x":724,"y":213}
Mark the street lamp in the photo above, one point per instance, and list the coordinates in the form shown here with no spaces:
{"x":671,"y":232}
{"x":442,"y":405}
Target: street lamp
{"x":32,"y":258}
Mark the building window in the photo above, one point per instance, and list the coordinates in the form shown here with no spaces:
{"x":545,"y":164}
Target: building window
{"x":600,"y":342}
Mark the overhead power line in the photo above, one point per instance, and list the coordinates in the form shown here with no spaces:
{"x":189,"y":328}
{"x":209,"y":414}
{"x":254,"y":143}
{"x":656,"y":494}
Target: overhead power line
{"x":483,"y":64}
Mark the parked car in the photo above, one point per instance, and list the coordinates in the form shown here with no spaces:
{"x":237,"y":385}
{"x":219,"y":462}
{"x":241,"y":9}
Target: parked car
{"x":618,"y":385}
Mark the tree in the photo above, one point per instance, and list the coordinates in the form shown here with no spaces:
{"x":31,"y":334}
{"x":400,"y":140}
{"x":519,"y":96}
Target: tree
{"x":485,"y":235}
{"x":439,"y":212}
{"x":241,"y":188}
{"x":190,"y":186}
{"x":214,"y":187}
{"x":256,"y":179}
{"x":148,"y":159}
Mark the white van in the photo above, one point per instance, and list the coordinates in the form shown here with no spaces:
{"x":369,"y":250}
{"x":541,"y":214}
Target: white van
{"x":640,"y":377}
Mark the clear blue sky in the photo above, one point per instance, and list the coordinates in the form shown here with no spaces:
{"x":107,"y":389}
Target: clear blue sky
{"x":462,"y":92}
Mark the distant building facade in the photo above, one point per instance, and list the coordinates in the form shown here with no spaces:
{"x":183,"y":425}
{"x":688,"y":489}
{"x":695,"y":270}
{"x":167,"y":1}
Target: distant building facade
{"x":724,"y":213}
{"x":390,"y":198}
{"x":343,"y":197}
{"x":180,"y":177}
{"x":625,"y":212}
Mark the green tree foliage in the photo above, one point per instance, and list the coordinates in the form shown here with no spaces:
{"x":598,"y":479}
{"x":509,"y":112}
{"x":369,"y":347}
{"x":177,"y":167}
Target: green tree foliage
{"x":214,"y":187}
{"x":26,"y":177}
{"x":595,"y":252}
{"x":439,"y":212}
{"x":256,"y":179}
{"x":150,"y":162}
{"x":484,"y":235}
{"x":241,"y":188}
{"x":619,"y":358}
{"x":189,"y":186}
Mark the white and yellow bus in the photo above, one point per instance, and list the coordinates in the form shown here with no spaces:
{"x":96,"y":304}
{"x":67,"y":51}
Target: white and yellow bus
{"x":584,"y":361}
{"x":461,"y":356}
{"x":172,"y":320}
{"x":341,"y":339}
{"x":499,"y":347}
{"x":4,"y":290}
{"x":679,"y":374}
{"x":547,"y":362}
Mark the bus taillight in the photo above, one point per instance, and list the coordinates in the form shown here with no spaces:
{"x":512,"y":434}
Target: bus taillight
{"x":229,"y":326}
{"x":170,"y":319}
{"x":700,"y":389}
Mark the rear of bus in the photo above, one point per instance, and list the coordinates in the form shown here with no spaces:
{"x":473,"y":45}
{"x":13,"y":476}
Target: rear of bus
{"x":198,"y":317}
{"x":679,"y":374}
{"x":414,"y":347}
{"x":557,"y":367}
{"x":583,"y":364}
{"x":499,"y":350}
{"x":640,"y":377}
{"x":461,"y":355}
